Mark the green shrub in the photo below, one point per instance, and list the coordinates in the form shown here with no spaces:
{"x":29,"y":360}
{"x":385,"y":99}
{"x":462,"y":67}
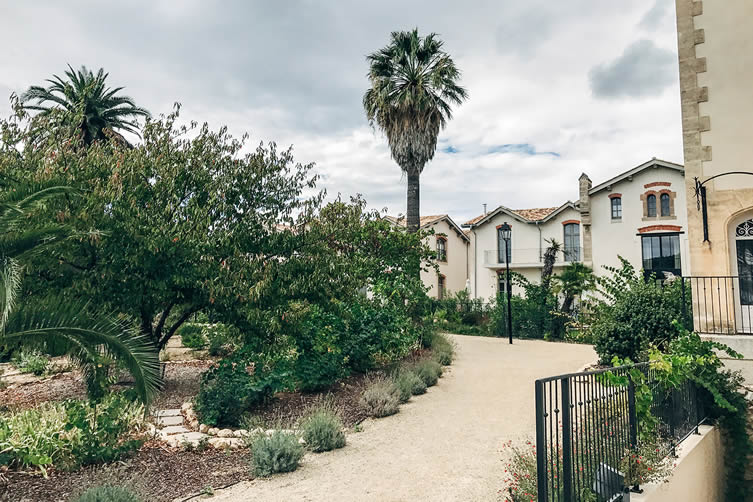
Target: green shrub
{"x":108,"y":493}
{"x":222,"y":339}
{"x":381,"y":398}
{"x":70,"y":434}
{"x":31,"y":362}
{"x":428,"y":371}
{"x":104,"y":428}
{"x":323,"y":430}
{"x":279,"y":452}
{"x":443,"y":349}
{"x":233,"y":387}
{"x":634,"y":314}
{"x":408,"y":384}
{"x":192,"y":335}
{"x":317,"y":334}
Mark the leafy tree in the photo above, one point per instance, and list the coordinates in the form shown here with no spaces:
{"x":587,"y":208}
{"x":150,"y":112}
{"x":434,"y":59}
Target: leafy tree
{"x":182,"y":223}
{"x":97,"y":109}
{"x":50,"y":320}
{"x":573,"y":282}
{"x":414,"y":84}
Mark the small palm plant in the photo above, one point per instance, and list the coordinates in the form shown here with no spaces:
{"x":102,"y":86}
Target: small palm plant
{"x":84,"y":95}
{"x":89,"y":337}
{"x":414,"y":84}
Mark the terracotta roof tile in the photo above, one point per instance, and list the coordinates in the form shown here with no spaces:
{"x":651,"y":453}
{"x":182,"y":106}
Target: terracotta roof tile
{"x":535,"y":214}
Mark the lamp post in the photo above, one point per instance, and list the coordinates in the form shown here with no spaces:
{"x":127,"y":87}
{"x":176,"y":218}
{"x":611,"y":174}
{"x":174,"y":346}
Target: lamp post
{"x":506,"y":230}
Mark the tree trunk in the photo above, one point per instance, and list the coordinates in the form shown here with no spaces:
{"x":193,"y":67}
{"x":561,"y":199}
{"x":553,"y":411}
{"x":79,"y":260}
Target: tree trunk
{"x":413,"y":214}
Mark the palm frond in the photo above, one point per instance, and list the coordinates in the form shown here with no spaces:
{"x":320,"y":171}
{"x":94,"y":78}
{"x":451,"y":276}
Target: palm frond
{"x":69,"y":320}
{"x":10,"y":275}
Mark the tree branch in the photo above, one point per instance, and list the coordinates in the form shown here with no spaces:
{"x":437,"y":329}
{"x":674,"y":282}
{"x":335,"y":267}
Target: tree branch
{"x":183,"y":318}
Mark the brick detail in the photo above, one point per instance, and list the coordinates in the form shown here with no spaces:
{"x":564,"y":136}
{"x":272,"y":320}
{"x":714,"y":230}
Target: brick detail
{"x":658,"y":184}
{"x":703,"y":94}
{"x":697,"y":8}
{"x":658,"y":228}
{"x":567,"y":222}
{"x":615,"y":195}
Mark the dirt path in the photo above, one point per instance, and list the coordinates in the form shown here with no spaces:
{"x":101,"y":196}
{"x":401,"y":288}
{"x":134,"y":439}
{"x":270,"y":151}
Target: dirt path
{"x":443,"y":446}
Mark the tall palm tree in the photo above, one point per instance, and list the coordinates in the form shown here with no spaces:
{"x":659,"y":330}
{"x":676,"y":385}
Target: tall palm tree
{"x":414,"y":84}
{"x":89,"y":336}
{"x":85,"y":94}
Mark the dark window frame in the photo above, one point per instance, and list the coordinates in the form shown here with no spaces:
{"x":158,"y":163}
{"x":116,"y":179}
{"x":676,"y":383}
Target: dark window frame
{"x":667,"y":262}
{"x":666,"y":210}
{"x":501,"y":246}
{"x":571,"y":244}
{"x":616,"y":205}
{"x":651,"y":206}
{"x":442,"y":253}
{"x":441,"y":286}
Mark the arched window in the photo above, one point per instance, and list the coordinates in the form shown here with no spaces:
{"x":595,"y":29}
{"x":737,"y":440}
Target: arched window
{"x":572,"y":242}
{"x":665,"y":209}
{"x":617,"y":208}
{"x":441,"y":249}
{"x":651,"y":206}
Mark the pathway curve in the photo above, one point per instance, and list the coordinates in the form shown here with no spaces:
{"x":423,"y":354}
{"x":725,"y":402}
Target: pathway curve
{"x":442,"y":446}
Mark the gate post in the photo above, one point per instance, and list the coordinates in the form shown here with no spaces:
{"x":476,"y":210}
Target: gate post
{"x":541,"y":449}
{"x":567,"y":447}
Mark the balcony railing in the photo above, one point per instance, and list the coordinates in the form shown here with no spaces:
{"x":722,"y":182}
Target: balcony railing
{"x":529,"y":256}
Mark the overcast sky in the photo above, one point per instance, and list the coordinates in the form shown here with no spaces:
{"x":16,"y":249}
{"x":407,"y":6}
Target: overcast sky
{"x":556,"y":87}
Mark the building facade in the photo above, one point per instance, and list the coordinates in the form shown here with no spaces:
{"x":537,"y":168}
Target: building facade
{"x":452,"y":247}
{"x":639,"y":215}
{"x":715,"y":49}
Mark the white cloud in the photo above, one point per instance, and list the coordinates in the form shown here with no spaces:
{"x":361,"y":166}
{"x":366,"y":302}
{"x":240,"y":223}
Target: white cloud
{"x":294,"y":72}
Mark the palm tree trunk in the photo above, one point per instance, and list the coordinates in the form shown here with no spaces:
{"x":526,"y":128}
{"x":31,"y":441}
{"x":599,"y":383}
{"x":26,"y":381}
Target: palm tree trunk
{"x":413,"y":213}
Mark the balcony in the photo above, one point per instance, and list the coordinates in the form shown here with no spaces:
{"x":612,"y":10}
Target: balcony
{"x":530,"y":258}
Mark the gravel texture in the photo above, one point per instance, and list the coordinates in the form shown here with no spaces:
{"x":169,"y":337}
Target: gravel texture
{"x":443,"y":446}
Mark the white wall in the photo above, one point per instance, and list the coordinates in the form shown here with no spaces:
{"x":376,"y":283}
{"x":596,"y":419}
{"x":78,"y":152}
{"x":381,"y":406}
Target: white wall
{"x":529,"y":241}
{"x":613,"y":238}
{"x":456,"y":268}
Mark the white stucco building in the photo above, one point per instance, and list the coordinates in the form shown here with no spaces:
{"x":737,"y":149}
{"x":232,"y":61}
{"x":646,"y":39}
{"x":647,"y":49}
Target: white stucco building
{"x":452,"y":246}
{"x":639,"y":215}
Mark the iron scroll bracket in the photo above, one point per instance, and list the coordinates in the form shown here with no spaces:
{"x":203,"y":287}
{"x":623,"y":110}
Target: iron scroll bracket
{"x":700,"y":198}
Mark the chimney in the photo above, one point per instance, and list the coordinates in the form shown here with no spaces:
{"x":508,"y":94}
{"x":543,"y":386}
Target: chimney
{"x":484,"y":209}
{"x":585,"y":185}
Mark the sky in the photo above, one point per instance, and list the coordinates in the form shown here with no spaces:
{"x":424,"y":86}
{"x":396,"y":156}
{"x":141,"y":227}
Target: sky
{"x":555,"y":88}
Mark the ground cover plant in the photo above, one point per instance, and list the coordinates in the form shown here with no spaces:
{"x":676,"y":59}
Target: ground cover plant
{"x":278,"y":452}
{"x":323,"y":430}
{"x":108,"y":493}
{"x":381,"y":398}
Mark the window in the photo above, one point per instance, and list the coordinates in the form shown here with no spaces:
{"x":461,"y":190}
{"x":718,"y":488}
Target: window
{"x":440,"y":286}
{"x":651,"y":206}
{"x":661,"y":253}
{"x":501,"y":283}
{"x":665,"y":209}
{"x":501,"y":248}
{"x":572,"y":242}
{"x":617,"y":208}
{"x":441,"y":249}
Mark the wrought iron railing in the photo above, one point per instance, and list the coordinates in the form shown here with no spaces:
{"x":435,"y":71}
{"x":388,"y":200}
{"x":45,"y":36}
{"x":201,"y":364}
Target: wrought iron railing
{"x":721,"y":305}
{"x":586,"y":423}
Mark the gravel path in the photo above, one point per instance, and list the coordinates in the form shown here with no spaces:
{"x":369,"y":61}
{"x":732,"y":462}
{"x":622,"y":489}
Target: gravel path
{"x":443,"y":446}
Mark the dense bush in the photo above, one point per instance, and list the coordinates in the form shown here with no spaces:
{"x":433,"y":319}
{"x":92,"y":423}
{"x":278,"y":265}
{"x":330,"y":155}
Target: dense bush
{"x":323,"y":430}
{"x":192,"y":336}
{"x":381,"y":398}
{"x":234,"y":386}
{"x":634,"y":314}
{"x":71,"y":433}
{"x":31,"y":362}
{"x":428,"y":371}
{"x":443,"y":349}
{"x":279,"y":452}
{"x":408,"y":384}
{"x":108,"y":493}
